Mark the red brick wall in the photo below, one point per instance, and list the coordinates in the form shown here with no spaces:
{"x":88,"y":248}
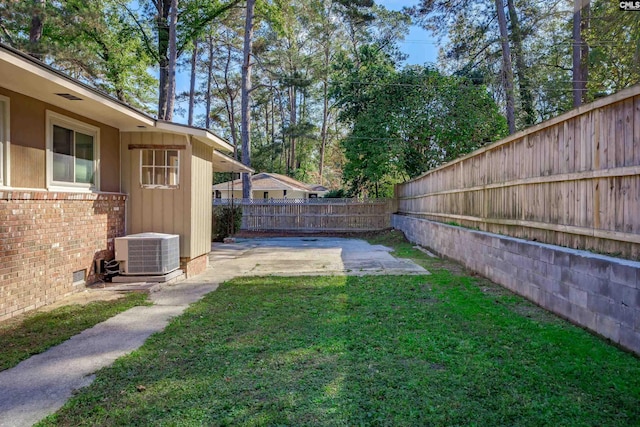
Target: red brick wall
{"x":195,"y":266}
{"x":45,"y":237}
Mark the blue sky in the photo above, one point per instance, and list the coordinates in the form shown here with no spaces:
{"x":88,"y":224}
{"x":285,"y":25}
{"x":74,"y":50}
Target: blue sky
{"x":419,"y":44}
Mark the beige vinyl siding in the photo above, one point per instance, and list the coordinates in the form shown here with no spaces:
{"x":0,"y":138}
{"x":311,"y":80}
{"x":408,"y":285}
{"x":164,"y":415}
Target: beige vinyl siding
{"x":157,"y":210}
{"x":201,"y":179}
{"x":28,"y":144}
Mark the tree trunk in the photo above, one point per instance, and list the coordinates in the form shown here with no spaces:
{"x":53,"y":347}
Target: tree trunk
{"x":35,"y":32}
{"x":246,"y":93}
{"x":292,"y":127}
{"x":524,"y":85}
{"x":231,"y":105}
{"x":192,"y":84}
{"x":163,"y":56}
{"x":207,"y":119}
{"x":273,"y":123}
{"x":580,"y":51}
{"x":325,"y":111}
{"x":284,"y":162}
{"x":323,"y":132}
{"x":507,"y":69}
{"x":584,"y":52}
{"x":173,"y":57}
{"x":577,"y":44}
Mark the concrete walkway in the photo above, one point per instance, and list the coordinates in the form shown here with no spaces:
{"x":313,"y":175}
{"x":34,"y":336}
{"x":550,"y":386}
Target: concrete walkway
{"x":40,"y":385}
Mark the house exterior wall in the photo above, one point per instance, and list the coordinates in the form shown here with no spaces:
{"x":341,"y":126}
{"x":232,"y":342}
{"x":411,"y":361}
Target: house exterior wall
{"x":186,"y":210}
{"x":27,"y":154}
{"x":46,"y":237}
{"x":201,"y":209}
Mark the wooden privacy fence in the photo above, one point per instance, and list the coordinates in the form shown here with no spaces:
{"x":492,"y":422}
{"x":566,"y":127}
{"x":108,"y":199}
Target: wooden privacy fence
{"x":572,"y":181}
{"x":316,"y":215}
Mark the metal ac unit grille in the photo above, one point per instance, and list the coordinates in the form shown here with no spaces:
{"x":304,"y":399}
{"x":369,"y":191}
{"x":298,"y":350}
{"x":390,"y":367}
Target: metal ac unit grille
{"x":148,"y":253}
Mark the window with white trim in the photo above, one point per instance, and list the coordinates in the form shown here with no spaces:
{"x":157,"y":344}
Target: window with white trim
{"x":159,"y":168}
{"x":4,"y":139}
{"x":72,"y":153}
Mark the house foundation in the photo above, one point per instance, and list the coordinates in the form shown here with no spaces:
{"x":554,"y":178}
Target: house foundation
{"x":194,"y":266}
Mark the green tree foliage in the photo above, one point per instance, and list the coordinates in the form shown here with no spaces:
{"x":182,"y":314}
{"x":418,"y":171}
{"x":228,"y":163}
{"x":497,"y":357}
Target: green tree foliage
{"x":614,"y":43}
{"x":406,"y":122}
{"x":92,"y":41}
{"x":541,"y":41}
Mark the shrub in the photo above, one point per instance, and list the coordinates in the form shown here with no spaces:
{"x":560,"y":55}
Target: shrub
{"x":226,"y":221}
{"x":336,"y":194}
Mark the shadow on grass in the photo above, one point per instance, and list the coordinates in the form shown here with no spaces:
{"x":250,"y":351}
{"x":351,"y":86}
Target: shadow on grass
{"x":372,"y":350}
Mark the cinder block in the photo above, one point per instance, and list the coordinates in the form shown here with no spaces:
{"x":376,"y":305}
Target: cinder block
{"x":630,"y":339}
{"x":512,"y":258}
{"x":523,"y":274}
{"x":562,"y":259}
{"x":578,"y":297}
{"x":624,"y":294}
{"x":592,"y":265}
{"x":628,"y":316}
{"x":543,"y":282}
{"x":561,"y":306}
{"x":608,"y":327}
{"x":624,"y":273}
{"x":593,"y":284}
{"x":584,"y":317}
{"x":510,"y":245}
{"x":572,"y":277}
{"x":534,"y":294}
{"x":563,"y":290}
{"x":508,"y":268}
{"x":530,"y":250}
{"x":540,"y":267}
{"x":554,"y":272}
{"x":496,"y":253}
{"x":600,"y":305}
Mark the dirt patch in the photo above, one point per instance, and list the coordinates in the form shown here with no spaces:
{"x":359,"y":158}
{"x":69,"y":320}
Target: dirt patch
{"x":85,"y":297}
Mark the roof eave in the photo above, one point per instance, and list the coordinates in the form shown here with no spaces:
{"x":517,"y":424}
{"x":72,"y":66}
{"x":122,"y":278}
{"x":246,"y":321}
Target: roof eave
{"x":28,"y":76}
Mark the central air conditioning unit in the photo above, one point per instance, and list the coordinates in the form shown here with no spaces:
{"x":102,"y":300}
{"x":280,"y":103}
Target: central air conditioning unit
{"x":148,"y":253}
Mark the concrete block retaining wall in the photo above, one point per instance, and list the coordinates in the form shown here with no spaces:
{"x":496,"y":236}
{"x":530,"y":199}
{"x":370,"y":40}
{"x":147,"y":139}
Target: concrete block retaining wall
{"x":597,"y":292}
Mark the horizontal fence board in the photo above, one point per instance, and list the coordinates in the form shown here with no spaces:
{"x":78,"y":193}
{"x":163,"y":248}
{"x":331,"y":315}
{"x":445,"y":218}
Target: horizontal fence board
{"x":313,"y":215}
{"x":572,"y":181}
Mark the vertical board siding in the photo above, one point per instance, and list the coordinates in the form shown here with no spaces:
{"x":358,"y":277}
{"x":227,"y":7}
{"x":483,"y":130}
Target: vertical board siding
{"x":158,"y":210}
{"x":201,"y":179}
{"x":572,"y":181}
{"x":316,"y":215}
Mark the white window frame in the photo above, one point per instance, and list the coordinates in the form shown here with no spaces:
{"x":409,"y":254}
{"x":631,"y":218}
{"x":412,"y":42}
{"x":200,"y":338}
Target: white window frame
{"x":55,"y":119}
{"x":160,"y":186}
{"x":5,"y":134}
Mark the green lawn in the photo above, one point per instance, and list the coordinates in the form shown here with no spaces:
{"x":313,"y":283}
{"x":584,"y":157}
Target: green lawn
{"x":38,"y":331}
{"x":435,"y":350}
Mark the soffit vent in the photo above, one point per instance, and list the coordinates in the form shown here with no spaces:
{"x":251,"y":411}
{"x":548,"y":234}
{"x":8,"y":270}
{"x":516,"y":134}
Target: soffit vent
{"x":69,"y":96}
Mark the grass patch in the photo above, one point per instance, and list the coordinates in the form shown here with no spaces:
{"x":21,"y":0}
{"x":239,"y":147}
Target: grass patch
{"x":39,"y":331}
{"x":438,"y":350}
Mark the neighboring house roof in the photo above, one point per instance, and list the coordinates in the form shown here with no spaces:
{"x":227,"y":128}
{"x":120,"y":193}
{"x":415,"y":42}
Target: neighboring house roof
{"x":268,"y":182}
{"x":318,"y":187}
{"x":24,"y":74}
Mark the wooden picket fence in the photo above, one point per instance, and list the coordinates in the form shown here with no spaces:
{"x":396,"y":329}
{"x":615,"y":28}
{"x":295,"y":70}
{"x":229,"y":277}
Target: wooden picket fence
{"x":315,"y":215}
{"x":572,"y":181}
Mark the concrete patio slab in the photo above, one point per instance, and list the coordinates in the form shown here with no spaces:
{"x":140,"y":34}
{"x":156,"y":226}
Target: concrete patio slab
{"x":308,"y":256}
